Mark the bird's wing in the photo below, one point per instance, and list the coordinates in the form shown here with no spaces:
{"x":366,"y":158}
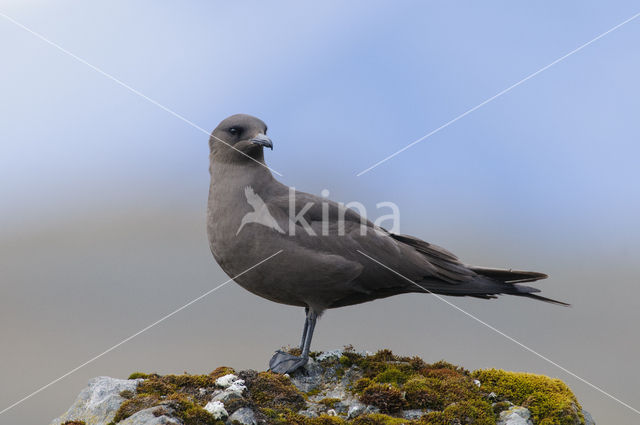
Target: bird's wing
{"x":314,"y":211}
{"x":446,"y":265}
{"x":411,"y":257}
{"x":432,"y":260}
{"x":391,"y":264}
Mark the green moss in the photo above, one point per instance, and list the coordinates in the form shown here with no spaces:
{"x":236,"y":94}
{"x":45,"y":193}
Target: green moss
{"x":345,"y":361}
{"x":271,"y":390}
{"x":74,"y":423}
{"x":393,"y":375}
{"x":220,"y":372}
{"x":138,"y":375}
{"x":196,"y":415}
{"x":233,"y":404}
{"x":550,"y":401}
{"x":441,"y":364}
{"x":329,"y":402}
{"x":387,"y":381}
{"x":360,"y":385}
{"x":476,"y":412}
{"x":349,"y":358}
{"x":313,"y":392}
{"x":500,"y":407}
{"x":384,"y":396}
{"x":269,"y":413}
{"x":325,"y":420}
{"x":182,"y":382}
{"x":420,"y":394}
{"x":289,"y":417}
{"x":380,"y":419}
{"x":127,"y":394}
{"x":156,"y":385}
{"x":136,"y":404}
{"x":190,"y":412}
{"x":169,"y":384}
{"x":179,"y":392}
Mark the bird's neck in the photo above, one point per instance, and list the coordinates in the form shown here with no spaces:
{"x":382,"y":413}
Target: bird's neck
{"x":234,"y":177}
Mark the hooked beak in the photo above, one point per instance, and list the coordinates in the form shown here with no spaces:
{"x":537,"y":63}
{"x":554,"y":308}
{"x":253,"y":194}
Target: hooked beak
{"x":262,"y":140}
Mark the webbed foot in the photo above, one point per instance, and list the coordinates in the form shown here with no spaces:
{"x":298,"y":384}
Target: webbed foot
{"x":282,"y":362}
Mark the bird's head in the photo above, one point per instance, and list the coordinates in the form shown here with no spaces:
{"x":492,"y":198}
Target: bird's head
{"x":239,"y":137}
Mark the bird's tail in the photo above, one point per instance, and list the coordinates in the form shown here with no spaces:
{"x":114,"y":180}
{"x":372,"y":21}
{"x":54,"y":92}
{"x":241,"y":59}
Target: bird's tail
{"x":512,"y":279}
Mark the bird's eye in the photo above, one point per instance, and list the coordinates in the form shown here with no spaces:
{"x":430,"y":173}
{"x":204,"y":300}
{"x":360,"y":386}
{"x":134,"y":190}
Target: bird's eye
{"x":234,"y":130}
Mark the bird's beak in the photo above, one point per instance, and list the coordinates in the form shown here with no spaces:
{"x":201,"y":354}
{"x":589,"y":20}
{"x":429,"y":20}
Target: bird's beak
{"x":262,"y":140}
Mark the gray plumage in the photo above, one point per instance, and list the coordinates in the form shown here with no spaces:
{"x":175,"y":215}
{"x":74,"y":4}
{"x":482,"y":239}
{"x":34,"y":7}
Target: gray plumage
{"x":321,"y":271}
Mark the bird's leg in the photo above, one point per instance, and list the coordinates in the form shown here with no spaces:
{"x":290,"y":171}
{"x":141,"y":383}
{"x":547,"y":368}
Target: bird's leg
{"x":306,"y":327}
{"x":311,"y":325}
{"x":282,"y":362}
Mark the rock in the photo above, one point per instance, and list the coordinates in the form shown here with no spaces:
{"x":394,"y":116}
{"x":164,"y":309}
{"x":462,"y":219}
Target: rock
{"x":356,"y":409}
{"x":148,"y":417}
{"x":242,"y":416}
{"x":226,"y":380}
{"x":515,"y":416}
{"x":233,"y":388}
{"x":329,"y":354}
{"x":339,"y":386}
{"x":216,"y":408}
{"x":98,"y":403}
{"x":309,"y":377}
{"x":413,"y":414}
{"x":588,"y":419}
{"x":371,"y":409}
{"x":225,"y":397}
{"x":308,"y":413}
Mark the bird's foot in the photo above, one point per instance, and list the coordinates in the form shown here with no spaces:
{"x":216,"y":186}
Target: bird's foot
{"x":282,"y":362}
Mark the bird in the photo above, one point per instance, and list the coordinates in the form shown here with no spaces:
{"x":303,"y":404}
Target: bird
{"x":319,"y":254}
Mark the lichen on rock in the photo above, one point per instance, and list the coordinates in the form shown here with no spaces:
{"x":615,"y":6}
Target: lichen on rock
{"x":335,"y":388}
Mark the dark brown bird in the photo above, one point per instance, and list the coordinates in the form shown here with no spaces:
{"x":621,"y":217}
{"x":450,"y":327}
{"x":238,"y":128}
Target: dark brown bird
{"x":324,"y":251}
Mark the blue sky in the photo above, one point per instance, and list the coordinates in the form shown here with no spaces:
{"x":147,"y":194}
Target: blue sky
{"x":544,"y":177}
{"x":355,"y":83}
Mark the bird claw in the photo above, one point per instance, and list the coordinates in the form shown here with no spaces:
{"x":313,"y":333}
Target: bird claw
{"x":282,"y":362}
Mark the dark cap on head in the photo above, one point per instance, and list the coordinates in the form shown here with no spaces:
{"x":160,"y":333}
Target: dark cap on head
{"x":239,"y":137}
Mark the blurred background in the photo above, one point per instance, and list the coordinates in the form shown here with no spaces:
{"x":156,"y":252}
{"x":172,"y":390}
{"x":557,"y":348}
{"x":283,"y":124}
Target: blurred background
{"x":102,"y":219}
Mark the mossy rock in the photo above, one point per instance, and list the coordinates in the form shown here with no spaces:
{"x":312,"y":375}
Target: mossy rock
{"x":386,"y":397}
{"x":220,"y":372}
{"x":381,"y":419}
{"x":420,"y":394}
{"x":271,"y":390}
{"x":476,"y":412}
{"x":329,"y":402}
{"x":383,"y":380}
{"x":550,"y":400}
{"x":134,"y":405}
{"x":177,"y":392}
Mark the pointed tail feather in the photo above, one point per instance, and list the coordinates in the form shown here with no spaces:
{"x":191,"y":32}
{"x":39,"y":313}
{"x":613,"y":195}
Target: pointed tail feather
{"x":513,"y":278}
{"x":545,"y":299}
{"x":508,"y":275}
